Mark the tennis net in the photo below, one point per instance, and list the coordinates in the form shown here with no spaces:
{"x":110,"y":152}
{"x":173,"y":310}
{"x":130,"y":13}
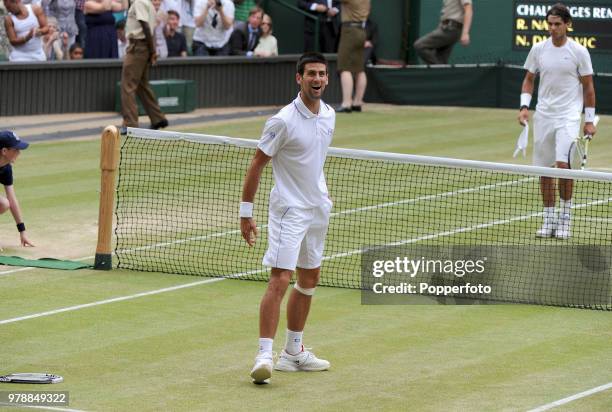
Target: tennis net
{"x":177,"y":212}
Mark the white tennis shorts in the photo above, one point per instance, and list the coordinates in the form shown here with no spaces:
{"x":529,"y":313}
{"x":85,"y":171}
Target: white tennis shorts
{"x":552,"y":139}
{"x":296,"y":237}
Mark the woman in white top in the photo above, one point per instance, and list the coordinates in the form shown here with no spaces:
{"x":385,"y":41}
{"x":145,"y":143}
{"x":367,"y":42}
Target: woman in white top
{"x":24,"y":26}
{"x":267,"y":45}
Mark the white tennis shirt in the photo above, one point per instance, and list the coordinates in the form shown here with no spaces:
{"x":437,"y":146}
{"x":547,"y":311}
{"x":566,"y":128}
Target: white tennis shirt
{"x":297,"y":140}
{"x":560,"y":91}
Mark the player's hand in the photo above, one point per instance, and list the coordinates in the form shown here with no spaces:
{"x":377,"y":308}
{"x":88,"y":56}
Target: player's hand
{"x":589,"y":129}
{"x":523,"y":117}
{"x":248,"y":229}
{"x":465,"y":39}
{"x":25,"y":242}
{"x":153,"y":58}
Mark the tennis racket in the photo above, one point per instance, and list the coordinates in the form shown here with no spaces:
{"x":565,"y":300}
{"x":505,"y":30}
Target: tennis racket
{"x":31,"y":378}
{"x":579,"y":150}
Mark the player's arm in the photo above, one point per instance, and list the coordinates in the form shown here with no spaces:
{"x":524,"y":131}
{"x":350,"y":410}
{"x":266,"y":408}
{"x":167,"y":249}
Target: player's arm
{"x":150,"y":41}
{"x":526,"y":92}
{"x":467,"y":24}
{"x":16,"y":212}
{"x":249,"y":189}
{"x":588,"y":90}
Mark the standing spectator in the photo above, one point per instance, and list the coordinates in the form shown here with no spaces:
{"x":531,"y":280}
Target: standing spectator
{"x":246,"y":34}
{"x":267,"y":46}
{"x":135,"y":72}
{"x":243,"y":7}
{"x":327,"y":13}
{"x":214,"y":25}
{"x":64,"y":12}
{"x":101,"y":32}
{"x":175,"y":41}
{"x":76,"y":52}
{"x":158,"y":32}
{"x":24,"y":27}
{"x":350,"y":54}
{"x":55,"y":43}
{"x":5,"y":46}
{"x":79,"y":18}
{"x":188,"y":21}
{"x":455,"y":23}
{"x":369,"y":48}
{"x":122,"y":42}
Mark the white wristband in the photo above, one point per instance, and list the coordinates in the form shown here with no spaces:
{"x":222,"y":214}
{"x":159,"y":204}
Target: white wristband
{"x":525,"y":100}
{"x":246,"y":209}
{"x":589,"y":114}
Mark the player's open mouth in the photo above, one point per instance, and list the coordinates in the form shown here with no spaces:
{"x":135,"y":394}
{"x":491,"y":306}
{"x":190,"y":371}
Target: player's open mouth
{"x":316,"y":87}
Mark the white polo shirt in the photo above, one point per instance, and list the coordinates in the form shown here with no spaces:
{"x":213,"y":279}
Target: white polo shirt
{"x":560,"y":91}
{"x":297,"y":140}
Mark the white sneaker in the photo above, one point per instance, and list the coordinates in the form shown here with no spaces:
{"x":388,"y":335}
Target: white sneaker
{"x":563,"y":228}
{"x":548,"y":228}
{"x":262,"y":370}
{"x":303,"y":361}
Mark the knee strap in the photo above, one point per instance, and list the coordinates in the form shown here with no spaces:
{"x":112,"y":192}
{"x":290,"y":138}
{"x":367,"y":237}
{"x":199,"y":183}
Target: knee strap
{"x":304,"y":291}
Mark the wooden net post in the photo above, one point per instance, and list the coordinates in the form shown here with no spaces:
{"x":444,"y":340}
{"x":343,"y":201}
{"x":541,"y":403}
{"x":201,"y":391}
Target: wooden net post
{"x":109,"y":162}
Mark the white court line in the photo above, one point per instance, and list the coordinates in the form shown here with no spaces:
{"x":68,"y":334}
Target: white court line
{"x":572,"y":398}
{"x":46,"y":408}
{"x":238,"y":275}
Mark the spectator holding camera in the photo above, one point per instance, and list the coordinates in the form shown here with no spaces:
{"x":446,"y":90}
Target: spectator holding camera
{"x":214,"y":25}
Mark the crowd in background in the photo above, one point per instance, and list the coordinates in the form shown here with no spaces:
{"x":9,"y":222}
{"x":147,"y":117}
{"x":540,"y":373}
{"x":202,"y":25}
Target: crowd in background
{"x":37,"y":30}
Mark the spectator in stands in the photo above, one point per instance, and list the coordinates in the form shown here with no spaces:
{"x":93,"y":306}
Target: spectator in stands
{"x":64,"y":12}
{"x":5,"y":46}
{"x":188,"y":22}
{"x":158,"y":32}
{"x":135,"y":72}
{"x":214,"y":25}
{"x":243,"y":8}
{"x":267,"y":46}
{"x":455,"y":23}
{"x":246,"y":34}
{"x":122,"y":41}
{"x":76,"y":52}
{"x":55,"y":43}
{"x":369,"y":48}
{"x":24,"y":26}
{"x":101,"y":32}
{"x":327,"y":12}
{"x":350,"y":54}
{"x":10,"y":148}
{"x":175,"y":40}
{"x":79,"y":17}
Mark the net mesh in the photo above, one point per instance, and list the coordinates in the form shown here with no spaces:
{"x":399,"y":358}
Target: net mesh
{"x":178,"y":196}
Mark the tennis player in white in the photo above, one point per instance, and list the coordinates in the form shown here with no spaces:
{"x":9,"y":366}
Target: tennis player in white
{"x":296,"y":140}
{"x":566,"y":86}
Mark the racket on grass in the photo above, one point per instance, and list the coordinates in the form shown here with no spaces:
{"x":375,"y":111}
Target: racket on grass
{"x":31,"y":378}
{"x":579,"y":150}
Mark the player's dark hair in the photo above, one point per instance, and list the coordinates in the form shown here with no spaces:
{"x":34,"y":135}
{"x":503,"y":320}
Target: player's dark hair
{"x":560,"y":10}
{"x":310,"y":57}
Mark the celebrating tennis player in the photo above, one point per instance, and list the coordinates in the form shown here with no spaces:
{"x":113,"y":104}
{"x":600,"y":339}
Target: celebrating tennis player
{"x":566,"y":85}
{"x":296,"y":139}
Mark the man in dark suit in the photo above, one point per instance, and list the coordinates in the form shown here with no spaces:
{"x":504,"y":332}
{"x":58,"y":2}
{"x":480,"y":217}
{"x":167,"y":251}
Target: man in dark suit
{"x":328,"y":13}
{"x":246,"y":34}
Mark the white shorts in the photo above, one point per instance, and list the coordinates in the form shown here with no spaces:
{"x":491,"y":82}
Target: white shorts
{"x":552,"y":139}
{"x":296,"y":237}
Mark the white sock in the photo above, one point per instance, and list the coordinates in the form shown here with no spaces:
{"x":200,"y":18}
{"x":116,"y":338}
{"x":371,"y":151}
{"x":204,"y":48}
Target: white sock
{"x":294,"y":342}
{"x":265,"y":345}
{"x":566,"y":207}
{"x":549,"y":214}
